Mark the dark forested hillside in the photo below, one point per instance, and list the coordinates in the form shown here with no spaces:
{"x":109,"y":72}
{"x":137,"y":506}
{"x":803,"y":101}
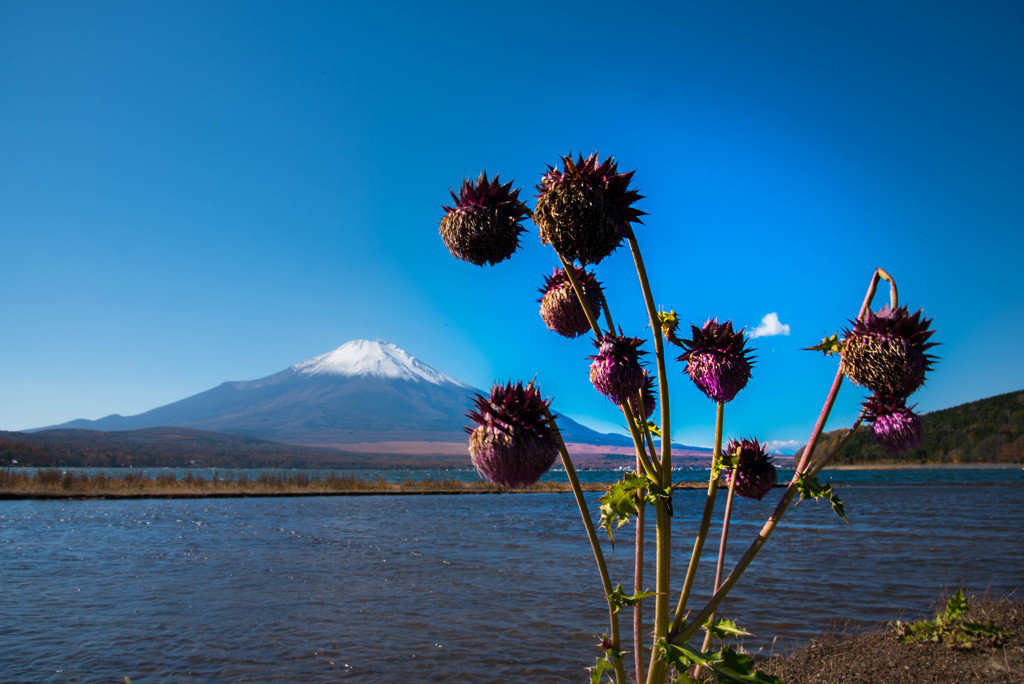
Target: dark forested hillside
{"x":985,"y":431}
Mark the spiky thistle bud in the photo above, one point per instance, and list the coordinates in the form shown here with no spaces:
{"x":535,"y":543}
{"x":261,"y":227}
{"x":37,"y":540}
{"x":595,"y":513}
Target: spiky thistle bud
{"x":484,"y":225}
{"x":512,"y":444}
{"x":559,"y":306}
{"x":754,"y":470}
{"x":895,"y":427}
{"x":717,"y":360}
{"x":616,"y":370}
{"x":885,"y":352}
{"x":585,"y":210}
{"x":669,"y":322}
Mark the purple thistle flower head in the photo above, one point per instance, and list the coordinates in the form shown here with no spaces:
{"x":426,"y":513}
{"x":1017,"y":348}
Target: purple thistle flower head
{"x":895,"y":428}
{"x":886,"y":352}
{"x":484,"y":225}
{"x":616,"y":370}
{"x":649,"y":395}
{"x":512,"y":444}
{"x":754,"y":471}
{"x":585,"y":210}
{"x":559,"y":306}
{"x":717,"y":360}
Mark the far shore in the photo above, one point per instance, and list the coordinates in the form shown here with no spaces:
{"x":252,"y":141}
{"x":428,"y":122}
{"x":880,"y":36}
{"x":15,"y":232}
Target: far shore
{"x":58,"y":484}
{"x":52,"y":483}
{"x":928,"y":466}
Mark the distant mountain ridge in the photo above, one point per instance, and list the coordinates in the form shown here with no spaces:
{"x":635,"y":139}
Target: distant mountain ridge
{"x":985,"y":431}
{"x":170,"y":447}
{"x":362,"y":392}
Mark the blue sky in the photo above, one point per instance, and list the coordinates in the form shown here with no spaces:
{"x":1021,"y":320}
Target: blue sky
{"x":196,"y":192}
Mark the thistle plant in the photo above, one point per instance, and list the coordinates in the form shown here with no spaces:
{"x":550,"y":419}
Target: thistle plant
{"x":615,"y":371}
{"x":886,"y":351}
{"x":484,"y":225}
{"x":717,"y":361}
{"x":559,"y":307}
{"x":895,"y":427}
{"x":752,"y":473}
{"x":585,"y":211}
{"x":513,"y":443}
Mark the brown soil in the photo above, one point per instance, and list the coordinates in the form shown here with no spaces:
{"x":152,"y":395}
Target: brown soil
{"x":881,"y":658}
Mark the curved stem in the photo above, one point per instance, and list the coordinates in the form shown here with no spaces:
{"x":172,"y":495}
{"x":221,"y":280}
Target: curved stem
{"x":705,"y":521}
{"x":659,"y":352}
{"x":691,"y":628}
{"x":894,"y":298}
{"x":595,"y":545}
{"x":819,"y":426}
{"x":678,"y":637}
{"x":815,"y":469}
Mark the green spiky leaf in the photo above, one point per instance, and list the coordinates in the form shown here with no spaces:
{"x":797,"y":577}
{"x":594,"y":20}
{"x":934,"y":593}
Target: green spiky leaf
{"x":726,"y":665}
{"x":829,"y":346}
{"x":620,"y":503}
{"x":619,"y":599}
{"x":950,"y":628}
{"x":656,"y":491}
{"x":724,"y":629}
{"x":810,"y":488}
{"x":956,"y":606}
{"x":602,"y":666}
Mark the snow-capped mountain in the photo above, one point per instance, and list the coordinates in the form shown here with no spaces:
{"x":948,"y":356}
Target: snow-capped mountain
{"x":363,"y":391}
{"x":375,"y":359}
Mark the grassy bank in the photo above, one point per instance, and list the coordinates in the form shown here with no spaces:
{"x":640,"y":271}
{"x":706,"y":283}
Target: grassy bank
{"x":57,"y":484}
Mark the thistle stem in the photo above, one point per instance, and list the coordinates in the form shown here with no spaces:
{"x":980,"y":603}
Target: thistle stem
{"x":595,"y":545}
{"x":659,"y":352}
{"x":638,"y":443}
{"x":815,"y":469}
{"x":663,"y":529}
{"x":705,"y":521}
{"x":683,"y":636}
{"x":679,"y":637}
{"x":838,"y":381}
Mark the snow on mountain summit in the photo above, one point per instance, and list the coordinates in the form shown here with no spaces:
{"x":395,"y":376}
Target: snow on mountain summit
{"x":376,"y":359}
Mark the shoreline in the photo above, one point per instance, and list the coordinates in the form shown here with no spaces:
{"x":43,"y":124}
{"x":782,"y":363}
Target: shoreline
{"x":392,"y":490}
{"x":929,"y":466}
{"x":397,"y":491}
{"x":50,"y":484}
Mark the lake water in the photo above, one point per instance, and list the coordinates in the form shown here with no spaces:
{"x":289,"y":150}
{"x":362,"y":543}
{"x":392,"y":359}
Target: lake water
{"x":468,"y":588}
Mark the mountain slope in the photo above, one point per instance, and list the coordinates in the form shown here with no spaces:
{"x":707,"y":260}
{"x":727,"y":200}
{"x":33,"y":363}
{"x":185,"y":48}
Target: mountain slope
{"x":171,"y":448}
{"x":363,"y":391}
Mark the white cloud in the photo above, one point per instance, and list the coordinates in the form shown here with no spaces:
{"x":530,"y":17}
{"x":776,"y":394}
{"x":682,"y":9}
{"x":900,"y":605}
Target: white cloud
{"x":787,"y":447}
{"x":770,"y":326}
